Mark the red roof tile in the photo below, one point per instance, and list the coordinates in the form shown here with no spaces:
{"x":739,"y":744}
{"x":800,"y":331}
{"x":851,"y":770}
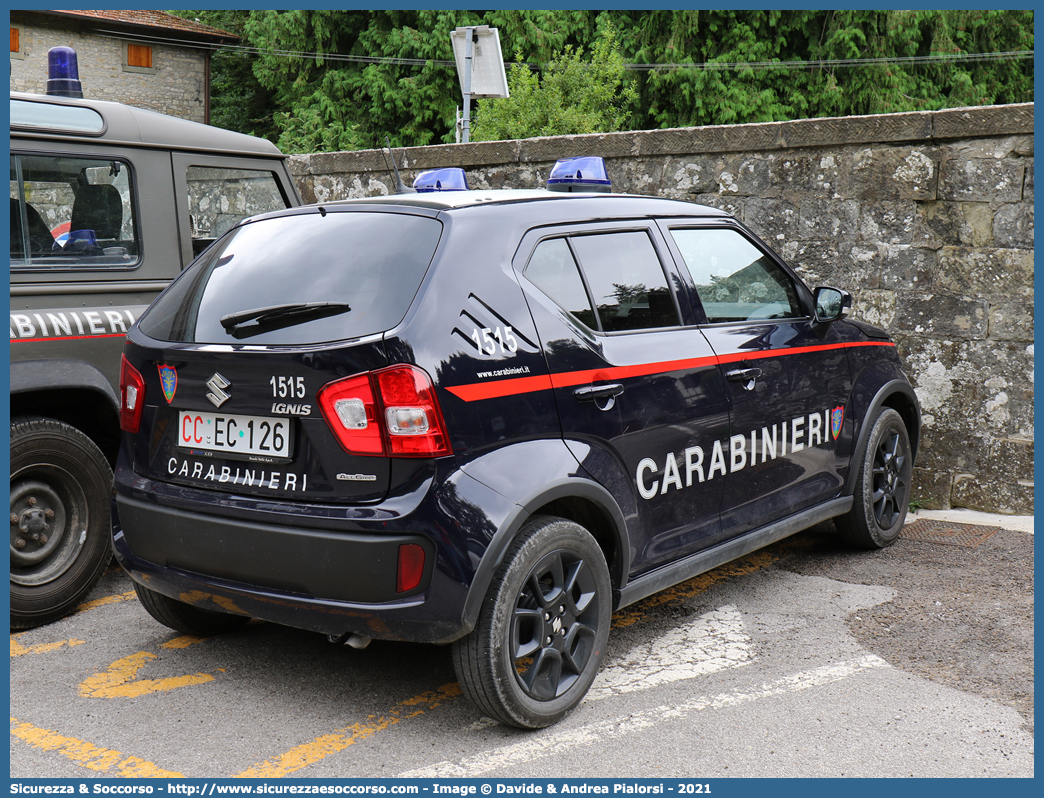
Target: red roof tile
{"x":151,"y":19}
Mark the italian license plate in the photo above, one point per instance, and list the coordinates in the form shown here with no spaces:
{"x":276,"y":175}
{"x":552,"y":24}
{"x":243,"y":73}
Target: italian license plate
{"x":231,"y":434}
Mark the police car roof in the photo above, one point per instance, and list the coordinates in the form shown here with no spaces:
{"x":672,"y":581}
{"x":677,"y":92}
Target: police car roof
{"x":39,"y":115}
{"x":454,"y":200}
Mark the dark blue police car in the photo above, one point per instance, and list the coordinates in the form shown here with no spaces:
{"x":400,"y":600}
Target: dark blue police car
{"x":491,"y":418}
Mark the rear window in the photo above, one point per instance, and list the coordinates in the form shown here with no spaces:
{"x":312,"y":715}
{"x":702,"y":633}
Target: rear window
{"x":365,"y":267}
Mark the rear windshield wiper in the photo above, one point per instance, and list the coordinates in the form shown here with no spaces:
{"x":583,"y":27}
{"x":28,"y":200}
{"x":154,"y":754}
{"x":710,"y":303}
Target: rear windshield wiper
{"x":288,"y":314}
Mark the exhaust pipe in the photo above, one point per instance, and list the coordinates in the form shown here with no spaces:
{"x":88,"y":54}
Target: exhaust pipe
{"x":357,"y":642}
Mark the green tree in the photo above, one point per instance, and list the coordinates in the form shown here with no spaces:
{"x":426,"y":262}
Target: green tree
{"x":698,"y":89}
{"x":237,"y":100}
{"x":320,"y":80}
{"x":339,"y":98}
{"x":572,"y":96}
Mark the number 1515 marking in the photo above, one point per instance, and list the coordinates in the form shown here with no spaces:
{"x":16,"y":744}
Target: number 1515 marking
{"x":487,"y":339}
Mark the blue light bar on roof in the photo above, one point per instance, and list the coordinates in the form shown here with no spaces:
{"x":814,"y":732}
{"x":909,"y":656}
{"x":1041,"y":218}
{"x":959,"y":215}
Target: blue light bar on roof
{"x":449,"y":179}
{"x":63,"y":73}
{"x":584,"y":173}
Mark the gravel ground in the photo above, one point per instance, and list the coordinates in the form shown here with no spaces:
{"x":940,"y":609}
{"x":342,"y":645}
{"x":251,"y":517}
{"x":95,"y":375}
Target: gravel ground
{"x":962,"y":617}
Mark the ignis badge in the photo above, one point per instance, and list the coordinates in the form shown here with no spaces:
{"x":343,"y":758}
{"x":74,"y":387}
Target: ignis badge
{"x":168,"y":381}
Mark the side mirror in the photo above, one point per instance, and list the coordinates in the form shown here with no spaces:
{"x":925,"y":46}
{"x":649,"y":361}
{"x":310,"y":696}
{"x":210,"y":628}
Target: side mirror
{"x":831,"y":304}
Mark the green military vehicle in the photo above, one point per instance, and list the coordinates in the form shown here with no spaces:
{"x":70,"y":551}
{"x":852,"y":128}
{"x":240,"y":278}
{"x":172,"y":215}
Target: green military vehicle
{"x":108,"y":204}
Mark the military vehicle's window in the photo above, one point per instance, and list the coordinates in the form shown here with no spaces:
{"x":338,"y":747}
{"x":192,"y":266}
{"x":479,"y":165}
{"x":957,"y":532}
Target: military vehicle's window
{"x":735,"y":280}
{"x":626,"y":280}
{"x":72,"y":213}
{"x":220,"y":197}
{"x":51,"y":116}
{"x":553,"y":270}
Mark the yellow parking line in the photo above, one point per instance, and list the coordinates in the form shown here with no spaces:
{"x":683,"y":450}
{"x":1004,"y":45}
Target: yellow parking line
{"x":183,"y":642}
{"x":88,"y":755}
{"x":120,"y":680}
{"x":732,"y":570}
{"x":321,"y":747}
{"x":19,"y":650}
{"x":102,"y":602}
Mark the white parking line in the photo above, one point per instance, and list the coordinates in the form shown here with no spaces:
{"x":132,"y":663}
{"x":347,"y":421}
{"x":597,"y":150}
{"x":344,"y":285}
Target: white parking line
{"x":713,"y":642}
{"x":554,"y":743}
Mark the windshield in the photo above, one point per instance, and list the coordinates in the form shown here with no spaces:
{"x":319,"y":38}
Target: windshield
{"x":372,"y":263}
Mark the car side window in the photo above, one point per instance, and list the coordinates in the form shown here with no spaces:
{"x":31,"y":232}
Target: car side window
{"x":734,"y":279}
{"x":618,"y":274}
{"x":219,"y":198}
{"x":72,"y":212}
{"x":626,"y":281}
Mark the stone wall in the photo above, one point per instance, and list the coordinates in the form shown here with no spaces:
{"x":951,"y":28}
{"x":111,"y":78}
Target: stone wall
{"x":927,"y":218}
{"x":176,"y":85}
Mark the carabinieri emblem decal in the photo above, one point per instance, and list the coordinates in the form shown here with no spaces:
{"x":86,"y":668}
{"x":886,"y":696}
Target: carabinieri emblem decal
{"x":837,"y":416}
{"x":169,"y":382}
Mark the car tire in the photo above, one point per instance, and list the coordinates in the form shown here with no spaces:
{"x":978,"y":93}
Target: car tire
{"x":185,"y":618}
{"x":61,"y":488}
{"x":882,"y":494}
{"x":542,"y":630}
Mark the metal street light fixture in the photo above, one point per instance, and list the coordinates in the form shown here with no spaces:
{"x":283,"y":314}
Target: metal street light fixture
{"x":480,"y":67}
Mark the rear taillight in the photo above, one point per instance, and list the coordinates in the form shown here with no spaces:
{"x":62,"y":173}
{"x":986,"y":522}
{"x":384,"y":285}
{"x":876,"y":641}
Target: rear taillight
{"x":392,"y":412}
{"x":132,"y":396}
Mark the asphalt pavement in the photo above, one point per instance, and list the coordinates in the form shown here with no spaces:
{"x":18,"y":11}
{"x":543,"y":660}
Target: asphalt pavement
{"x":804,"y":659}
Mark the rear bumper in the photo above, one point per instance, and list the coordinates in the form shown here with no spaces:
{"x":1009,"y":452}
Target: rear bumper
{"x":334,"y":579}
{"x":340,"y":566}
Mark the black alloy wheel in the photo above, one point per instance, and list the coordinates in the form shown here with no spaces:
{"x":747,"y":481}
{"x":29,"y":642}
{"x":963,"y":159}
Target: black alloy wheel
{"x":554,"y":626}
{"x":883,"y":485}
{"x":542,"y":630}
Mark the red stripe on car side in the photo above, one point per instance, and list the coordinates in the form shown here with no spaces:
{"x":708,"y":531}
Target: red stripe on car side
{"x":519,"y":385}
{"x":567,"y":378}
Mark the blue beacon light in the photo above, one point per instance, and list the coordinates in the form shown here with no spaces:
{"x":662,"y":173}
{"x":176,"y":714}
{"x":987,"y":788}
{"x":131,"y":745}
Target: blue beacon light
{"x":63,"y":73}
{"x":448,"y":179}
{"x":583,"y":173}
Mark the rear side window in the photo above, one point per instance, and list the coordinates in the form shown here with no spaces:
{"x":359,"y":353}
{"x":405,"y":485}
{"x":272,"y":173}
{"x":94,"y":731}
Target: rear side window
{"x":620,"y":284}
{"x":735,"y":280}
{"x":553,"y":270}
{"x":327,"y":277}
{"x":72,"y":212}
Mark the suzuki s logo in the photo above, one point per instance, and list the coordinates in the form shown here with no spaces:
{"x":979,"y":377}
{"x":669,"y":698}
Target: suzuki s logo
{"x":217,"y":385}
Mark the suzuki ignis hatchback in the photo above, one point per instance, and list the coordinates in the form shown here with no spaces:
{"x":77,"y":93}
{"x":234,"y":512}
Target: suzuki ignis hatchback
{"x":490,"y":419}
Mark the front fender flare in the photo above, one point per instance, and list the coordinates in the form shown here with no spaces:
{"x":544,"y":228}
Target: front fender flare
{"x":886,"y":396}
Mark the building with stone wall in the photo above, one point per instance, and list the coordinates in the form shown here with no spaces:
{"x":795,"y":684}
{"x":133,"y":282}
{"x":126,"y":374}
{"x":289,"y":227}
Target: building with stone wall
{"x":148,"y":59}
{"x":927,"y":218}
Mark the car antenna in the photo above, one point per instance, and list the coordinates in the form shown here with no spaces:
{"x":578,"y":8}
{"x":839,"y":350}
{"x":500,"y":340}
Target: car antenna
{"x":400,"y":187}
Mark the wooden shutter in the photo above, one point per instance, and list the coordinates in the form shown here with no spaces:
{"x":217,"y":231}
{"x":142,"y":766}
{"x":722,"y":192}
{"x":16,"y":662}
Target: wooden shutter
{"x":139,"y":55}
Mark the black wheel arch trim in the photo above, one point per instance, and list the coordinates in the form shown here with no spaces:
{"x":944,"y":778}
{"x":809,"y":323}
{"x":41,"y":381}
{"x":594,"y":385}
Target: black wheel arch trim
{"x":881,"y":399}
{"x":60,"y":374}
{"x":525,"y":508}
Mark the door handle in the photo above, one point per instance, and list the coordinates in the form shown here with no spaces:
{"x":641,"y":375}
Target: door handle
{"x":746,"y":376}
{"x":599,"y":394}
